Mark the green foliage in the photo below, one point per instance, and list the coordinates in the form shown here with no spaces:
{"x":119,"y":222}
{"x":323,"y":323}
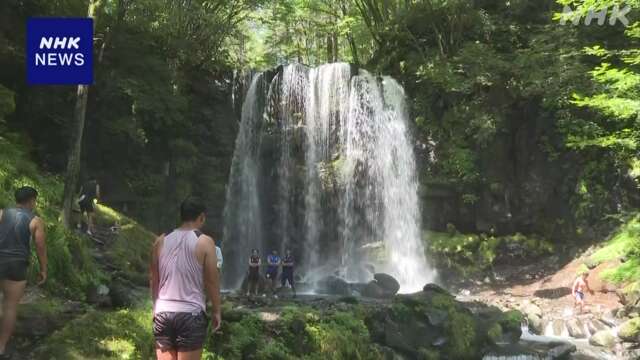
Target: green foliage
{"x":122,"y":334}
{"x":71,"y":268}
{"x":298,"y":332}
{"x":472,"y":253}
{"x":623,"y":242}
{"x":130,"y":251}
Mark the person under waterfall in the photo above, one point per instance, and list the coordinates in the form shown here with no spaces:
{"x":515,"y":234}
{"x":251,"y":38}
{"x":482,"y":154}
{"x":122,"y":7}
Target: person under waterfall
{"x":577,"y":290}
{"x":254,"y":273}
{"x":18,"y":226}
{"x":287,"y":272}
{"x":273,"y":261}
{"x":183,"y":274}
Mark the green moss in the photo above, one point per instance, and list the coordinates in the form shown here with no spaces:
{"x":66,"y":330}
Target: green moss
{"x":428,"y":354}
{"x":624,"y":242}
{"x":473,"y":253}
{"x":495,"y":333}
{"x":130,"y":251}
{"x":123,"y":334}
{"x":630,"y":330}
{"x":462,"y":331}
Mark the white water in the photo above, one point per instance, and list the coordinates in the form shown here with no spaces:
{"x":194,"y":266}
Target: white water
{"x":344,"y":176}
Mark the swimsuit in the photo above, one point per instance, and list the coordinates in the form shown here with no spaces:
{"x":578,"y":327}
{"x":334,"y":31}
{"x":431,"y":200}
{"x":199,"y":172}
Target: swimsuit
{"x":579,"y":295}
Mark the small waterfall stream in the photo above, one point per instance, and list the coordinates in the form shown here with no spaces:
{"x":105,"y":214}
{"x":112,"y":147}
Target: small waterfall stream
{"x":324,"y":165}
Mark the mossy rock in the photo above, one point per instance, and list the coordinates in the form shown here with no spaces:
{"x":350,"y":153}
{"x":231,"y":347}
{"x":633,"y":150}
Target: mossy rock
{"x":495,"y":333}
{"x":630,"y":294}
{"x":630,"y":330}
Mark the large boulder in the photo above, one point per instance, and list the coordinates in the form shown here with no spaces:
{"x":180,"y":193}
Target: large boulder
{"x":603,"y":338}
{"x":630,"y":294}
{"x":630,"y":330}
{"x":388,"y":283}
{"x":334,"y":285}
{"x":373,"y":290}
{"x":576,"y":329}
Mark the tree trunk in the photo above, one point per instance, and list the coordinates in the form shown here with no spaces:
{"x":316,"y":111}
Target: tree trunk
{"x":75,"y":150}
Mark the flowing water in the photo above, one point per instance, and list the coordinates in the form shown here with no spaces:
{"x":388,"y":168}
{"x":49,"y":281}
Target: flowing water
{"x":324,"y":165}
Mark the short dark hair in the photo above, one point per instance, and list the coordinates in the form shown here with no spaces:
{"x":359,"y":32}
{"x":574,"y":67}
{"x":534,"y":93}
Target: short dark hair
{"x":191,"y":208}
{"x":25,"y":194}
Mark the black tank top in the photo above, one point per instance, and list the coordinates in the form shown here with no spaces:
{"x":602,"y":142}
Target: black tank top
{"x":15,"y":234}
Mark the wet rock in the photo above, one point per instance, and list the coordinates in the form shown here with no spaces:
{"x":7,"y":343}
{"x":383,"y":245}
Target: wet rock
{"x":576,"y":329}
{"x":433,"y":288}
{"x":531,"y":309}
{"x":558,"y":327}
{"x":603,"y":338}
{"x":561,"y":351}
{"x":334,"y":285}
{"x":388,"y":283}
{"x":536,"y":324}
{"x":630,"y":294}
{"x":630,"y":330}
{"x":609,"y":318}
{"x":630,"y":354}
{"x":373,"y":290}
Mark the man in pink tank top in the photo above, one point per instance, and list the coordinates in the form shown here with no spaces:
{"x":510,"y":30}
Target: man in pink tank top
{"x":183,"y":275}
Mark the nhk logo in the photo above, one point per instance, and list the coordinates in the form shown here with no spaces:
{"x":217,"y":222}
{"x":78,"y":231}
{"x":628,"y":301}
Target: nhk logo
{"x":60,"y":51}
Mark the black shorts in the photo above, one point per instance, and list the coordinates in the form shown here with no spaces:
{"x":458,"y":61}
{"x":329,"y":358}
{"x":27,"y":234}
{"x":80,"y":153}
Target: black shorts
{"x":15,"y":270}
{"x":287,"y":275}
{"x":180,"y":331}
{"x":86,"y":205}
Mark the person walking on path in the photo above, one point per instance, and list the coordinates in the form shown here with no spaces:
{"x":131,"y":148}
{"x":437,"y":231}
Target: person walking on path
{"x":89,"y":192}
{"x":18,"y":225}
{"x":183,"y":269}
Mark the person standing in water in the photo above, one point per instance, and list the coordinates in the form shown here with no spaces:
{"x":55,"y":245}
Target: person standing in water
{"x":577,"y":290}
{"x":273,"y":261}
{"x":287,"y":271}
{"x":254,"y":272}
{"x":18,"y":225}
{"x":183,"y":274}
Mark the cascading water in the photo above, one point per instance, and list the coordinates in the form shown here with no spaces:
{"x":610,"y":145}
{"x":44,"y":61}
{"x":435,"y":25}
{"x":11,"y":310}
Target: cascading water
{"x":324,"y":165}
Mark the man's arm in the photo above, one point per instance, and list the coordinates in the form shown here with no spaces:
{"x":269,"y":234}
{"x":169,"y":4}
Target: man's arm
{"x":212,"y":280}
{"x":586,"y":284}
{"x":40,"y":239}
{"x":573,"y":288}
{"x":154,"y":273}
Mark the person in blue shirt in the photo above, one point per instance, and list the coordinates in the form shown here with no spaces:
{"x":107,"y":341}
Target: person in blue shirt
{"x":273,"y":262}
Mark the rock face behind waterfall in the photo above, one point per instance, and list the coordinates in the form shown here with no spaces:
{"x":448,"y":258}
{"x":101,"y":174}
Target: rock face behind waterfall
{"x":324,"y":165}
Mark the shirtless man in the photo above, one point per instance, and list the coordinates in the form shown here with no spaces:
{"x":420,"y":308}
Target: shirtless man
{"x":577,"y":290}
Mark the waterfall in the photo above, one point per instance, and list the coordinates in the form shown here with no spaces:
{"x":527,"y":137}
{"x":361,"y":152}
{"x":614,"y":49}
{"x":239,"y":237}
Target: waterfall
{"x":324,"y":165}
{"x":243,"y":221}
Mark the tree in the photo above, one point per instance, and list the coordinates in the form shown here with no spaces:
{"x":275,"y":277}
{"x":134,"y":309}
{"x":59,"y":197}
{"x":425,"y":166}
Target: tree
{"x":75,"y":151}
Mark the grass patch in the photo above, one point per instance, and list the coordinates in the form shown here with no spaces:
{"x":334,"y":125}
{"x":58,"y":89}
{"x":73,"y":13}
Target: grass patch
{"x":122,"y":334}
{"x":131,"y":249}
{"x":624,"y":242}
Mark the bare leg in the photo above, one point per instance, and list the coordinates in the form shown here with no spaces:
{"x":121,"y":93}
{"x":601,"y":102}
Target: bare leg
{"x":13,"y":291}
{"x":190,"y":355}
{"x":166,"y":354}
{"x":90,"y":220}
